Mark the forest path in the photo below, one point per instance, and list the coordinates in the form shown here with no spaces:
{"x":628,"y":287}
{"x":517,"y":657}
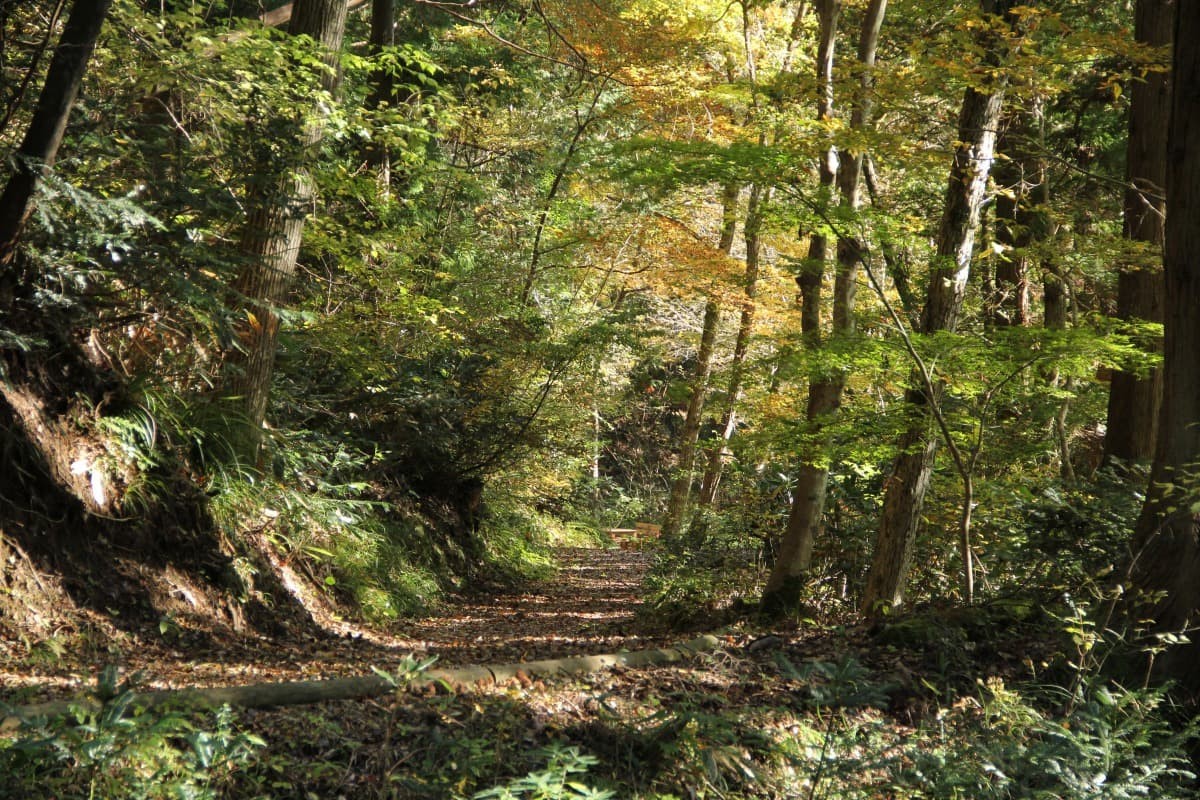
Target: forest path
{"x":589,"y":605}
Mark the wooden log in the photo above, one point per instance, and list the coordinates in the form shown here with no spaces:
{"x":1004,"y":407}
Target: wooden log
{"x":269,"y":695}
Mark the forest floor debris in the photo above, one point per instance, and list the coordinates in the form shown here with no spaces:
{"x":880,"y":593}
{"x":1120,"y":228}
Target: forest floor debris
{"x":743,"y":721}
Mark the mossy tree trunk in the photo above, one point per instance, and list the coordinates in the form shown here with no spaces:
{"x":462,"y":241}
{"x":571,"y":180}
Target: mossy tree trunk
{"x":278,"y":204}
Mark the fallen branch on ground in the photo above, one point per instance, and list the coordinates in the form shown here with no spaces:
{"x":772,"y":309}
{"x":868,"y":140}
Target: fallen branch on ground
{"x":267,"y":695}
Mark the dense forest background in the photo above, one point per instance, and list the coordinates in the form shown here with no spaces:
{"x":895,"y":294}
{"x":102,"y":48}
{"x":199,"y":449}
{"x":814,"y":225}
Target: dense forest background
{"x":879,"y":314}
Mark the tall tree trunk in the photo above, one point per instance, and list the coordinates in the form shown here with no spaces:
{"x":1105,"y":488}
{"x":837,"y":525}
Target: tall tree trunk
{"x":741,"y":346}
{"x":1018,"y":177}
{"x":271,"y":239}
{"x":812,"y":272}
{"x":681,"y":485}
{"x":825,"y":391}
{"x":1167,"y":541}
{"x":1134,"y":399}
{"x":45,"y":134}
{"x":383,"y":36}
{"x":905,"y":488}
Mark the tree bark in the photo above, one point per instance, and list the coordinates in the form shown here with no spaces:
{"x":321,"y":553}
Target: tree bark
{"x":42,"y":139}
{"x":741,"y":346}
{"x":905,"y":488}
{"x":1167,"y":539}
{"x":812,"y":272}
{"x":1018,"y":177}
{"x":681,"y":485}
{"x":825,"y":391}
{"x":271,"y":239}
{"x":1135,"y":397}
{"x":383,"y":36}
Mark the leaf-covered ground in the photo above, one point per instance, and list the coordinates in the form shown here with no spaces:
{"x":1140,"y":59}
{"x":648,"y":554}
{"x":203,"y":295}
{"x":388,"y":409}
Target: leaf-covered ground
{"x":590,"y":605}
{"x":759,"y":717}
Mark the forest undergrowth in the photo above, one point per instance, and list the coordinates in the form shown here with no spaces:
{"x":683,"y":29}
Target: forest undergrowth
{"x":1005,"y":699}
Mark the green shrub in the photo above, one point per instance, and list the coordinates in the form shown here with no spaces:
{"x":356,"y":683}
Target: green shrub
{"x":118,"y":752}
{"x":555,"y":782}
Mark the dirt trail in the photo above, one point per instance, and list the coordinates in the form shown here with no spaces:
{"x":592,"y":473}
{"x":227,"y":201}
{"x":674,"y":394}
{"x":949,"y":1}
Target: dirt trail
{"x":588,"y":606}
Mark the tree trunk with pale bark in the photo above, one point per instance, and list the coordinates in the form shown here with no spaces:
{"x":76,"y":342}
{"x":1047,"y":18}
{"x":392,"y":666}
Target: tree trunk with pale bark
{"x":906,"y":486}
{"x":271,"y":238}
{"x":825,"y":391}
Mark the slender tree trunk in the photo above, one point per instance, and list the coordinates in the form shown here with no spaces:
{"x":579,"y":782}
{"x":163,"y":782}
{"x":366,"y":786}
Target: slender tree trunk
{"x":383,"y":36}
{"x":812,"y":273}
{"x":681,"y":485}
{"x":905,"y":489}
{"x":581,"y":125}
{"x":810,"y":280}
{"x":1134,"y":398}
{"x":45,"y":134}
{"x":741,"y":346}
{"x":271,"y":239}
{"x":44,"y":391}
{"x":1167,"y":541}
{"x":897,"y":267}
{"x":1054,"y":301}
{"x":825,"y":391}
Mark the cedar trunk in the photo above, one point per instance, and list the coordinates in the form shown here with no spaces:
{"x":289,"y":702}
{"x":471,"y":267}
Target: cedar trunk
{"x":904,"y":491}
{"x":1135,"y":397}
{"x":271,"y":239}
{"x":1167,"y":544}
